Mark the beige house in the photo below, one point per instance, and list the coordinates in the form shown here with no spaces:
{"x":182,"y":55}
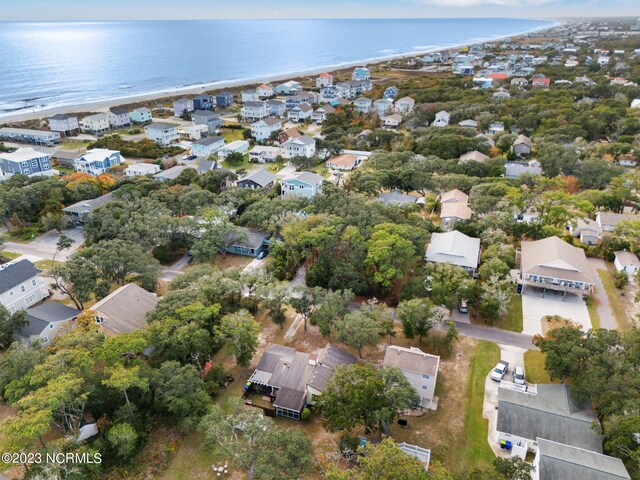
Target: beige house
{"x":419,"y":368}
{"x":454,"y":195}
{"x":125,"y":309}
{"x":454,"y":207}
{"x":474,"y":156}
{"x":553,"y":264}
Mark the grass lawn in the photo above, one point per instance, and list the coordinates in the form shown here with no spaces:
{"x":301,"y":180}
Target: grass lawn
{"x":73,"y":144}
{"x":231,"y":134}
{"x":476,"y":451}
{"x":593,"y":313}
{"x":224,"y":262}
{"x":617,"y":304}
{"x":245,"y":165}
{"x":512,"y":320}
{"x":534,"y":367}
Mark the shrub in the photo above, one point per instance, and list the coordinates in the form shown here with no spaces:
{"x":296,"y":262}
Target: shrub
{"x":620,"y":280}
{"x":305,"y":414}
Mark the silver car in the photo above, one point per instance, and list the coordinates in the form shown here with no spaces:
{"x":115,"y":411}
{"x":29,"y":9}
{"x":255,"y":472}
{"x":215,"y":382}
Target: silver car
{"x":518,"y":375}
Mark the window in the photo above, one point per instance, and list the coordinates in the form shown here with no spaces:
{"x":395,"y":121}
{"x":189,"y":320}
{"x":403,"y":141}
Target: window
{"x":424,"y":375}
{"x":424,"y":387}
{"x":23,"y":288}
{"x":45,"y":339}
{"x":33,"y":282}
{"x":11,"y":293}
{"x":100,"y":319}
{"x":31,"y":299}
{"x":51,"y":325}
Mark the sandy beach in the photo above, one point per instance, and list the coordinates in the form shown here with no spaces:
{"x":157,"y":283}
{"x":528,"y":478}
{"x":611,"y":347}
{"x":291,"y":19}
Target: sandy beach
{"x":105,"y":105}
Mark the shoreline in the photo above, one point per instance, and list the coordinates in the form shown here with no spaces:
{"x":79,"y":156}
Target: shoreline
{"x":105,"y":105}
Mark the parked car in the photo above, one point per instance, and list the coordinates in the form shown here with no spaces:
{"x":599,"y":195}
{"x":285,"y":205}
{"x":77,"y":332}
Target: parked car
{"x":499,"y":371}
{"x":189,"y":157}
{"x":518,"y":375}
{"x":463,"y":306}
{"x":262,"y":254}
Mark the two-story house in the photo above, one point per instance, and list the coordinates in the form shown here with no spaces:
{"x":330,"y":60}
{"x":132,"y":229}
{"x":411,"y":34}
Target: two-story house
{"x":46,"y":321}
{"x":382,"y":106}
{"x":301,"y":184}
{"x":302,"y":97}
{"x":27,"y":135}
{"x":289,"y":88}
{"x":276,"y":108}
{"x":64,"y":123}
{"x":390,"y":92}
{"x":419,"y":368}
{"x":300,"y":112}
{"x":141,"y":169}
{"x":522,"y":146}
{"x":362,"y":105}
{"x":361,"y":73}
{"x":404,"y":105}
{"x":207,"y":146}
{"x":141,"y":116}
{"x":303,"y":146}
{"x":97,"y":161}
{"x":254,"y":111}
{"x":442,"y":119}
{"x":162,"y":133}
{"x":320,"y":114}
{"x":97,"y":124}
{"x":259,"y":179}
{"x":80,"y":212}
{"x":25,"y":161}
{"x":264,"y":154}
{"x":119,"y":117}
{"x":263,"y":129}
{"x":324,"y":80}
{"x":206,"y":117}
{"x":204,"y":102}
{"x":21,"y":285}
{"x":182,"y":106}
{"x":265,"y":91}
{"x":224,"y":99}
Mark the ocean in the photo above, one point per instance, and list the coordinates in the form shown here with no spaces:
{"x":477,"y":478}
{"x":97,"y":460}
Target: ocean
{"x":55,"y":64}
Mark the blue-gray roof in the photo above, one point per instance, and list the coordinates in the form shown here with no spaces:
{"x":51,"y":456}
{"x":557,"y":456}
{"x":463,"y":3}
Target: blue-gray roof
{"x":16,"y":273}
{"x":41,"y":316}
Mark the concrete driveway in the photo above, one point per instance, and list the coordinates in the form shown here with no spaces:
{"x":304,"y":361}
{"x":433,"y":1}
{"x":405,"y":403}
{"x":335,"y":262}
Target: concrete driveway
{"x":534,"y":307}
{"x":515,"y":357}
{"x":286,"y":171}
{"x":45,"y":246}
{"x":603,"y":307}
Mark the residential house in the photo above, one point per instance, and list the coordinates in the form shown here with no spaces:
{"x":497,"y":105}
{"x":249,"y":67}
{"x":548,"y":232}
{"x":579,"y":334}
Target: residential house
{"x":608,"y":221}
{"x":517,"y":169}
{"x":303,"y":146}
{"x":397,"y":199}
{"x":25,"y":135}
{"x":627,"y":160}
{"x":207,"y":146}
{"x":392,"y":121}
{"x":125,"y":309}
{"x":206,"y":117}
{"x":382,"y":106}
{"x":288,"y":134}
{"x":324,"y":80}
{"x":141,"y":116}
{"x":119,"y":117}
{"x":404,"y":105}
{"x":519,"y":82}
{"x":501,"y":94}
{"x":237,"y":146}
{"x":454,"y":196}
{"x":627,"y":262}
{"x":361,"y":73}
{"x":254,"y":111}
{"x":474,"y":156}
{"x":468,"y":124}
{"x":454,"y":248}
{"x":289,"y":88}
{"x":46,"y":321}
{"x":345,"y":161}
{"x":293,"y":379}
{"x":171,"y":173}
{"x":555,"y":460}
{"x":362,"y":105}
{"x":442,"y":119}
{"x":263,"y":129}
{"x":540,"y":82}
{"x":320,"y":114}
{"x":25,"y":161}
{"x":141,"y":169}
{"x":419,"y":368}
{"x":303,"y":97}
{"x":547,"y":411}
{"x":332,"y":92}
{"x":247,"y":241}
{"x":522,"y":146}
{"x":265,"y":91}
{"x":224,"y":99}
{"x":79,"y":213}
{"x":203,"y":102}
{"x":182,"y":106}
{"x":192,"y":132}
{"x":451,"y":213}
{"x":205,"y":166}
{"x":495,"y":127}
{"x":259,"y":179}
{"x":390,"y":92}
{"x":162,"y":133}
{"x":97,"y":124}
{"x":21,"y":285}
{"x":587,"y":230}
{"x":249,"y":96}
{"x":276,"y":108}
{"x":552,"y":263}
{"x":264,"y":154}
{"x":300,"y":113}
{"x":97,"y":161}
{"x":301,"y":184}
{"x":64,"y":123}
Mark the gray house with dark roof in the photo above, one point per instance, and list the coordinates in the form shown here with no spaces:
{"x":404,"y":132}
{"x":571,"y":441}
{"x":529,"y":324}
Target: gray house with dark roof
{"x":46,"y":320}
{"x":295,"y":379}
{"x":21,"y":285}
{"x":248,"y":241}
{"x":259,"y":179}
{"x":79,"y":213}
{"x":549,"y":412}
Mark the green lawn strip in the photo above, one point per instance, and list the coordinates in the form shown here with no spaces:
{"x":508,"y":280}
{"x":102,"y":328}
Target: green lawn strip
{"x":593,"y":313}
{"x":512,"y":320}
{"x":476,"y":451}
{"x":534,"y":367}
{"x":617,"y":305}
{"x":73,"y":144}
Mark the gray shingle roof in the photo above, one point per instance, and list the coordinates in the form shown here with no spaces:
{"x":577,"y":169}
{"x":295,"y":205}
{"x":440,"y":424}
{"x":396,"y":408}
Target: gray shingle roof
{"x":126,"y":308}
{"x":86,"y":206}
{"x":16,"y":273}
{"x":396,"y":198}
{"x":249,"y":237}
{"x":261,"y":177}
{"x":206,"y":141}
{"x":41,"y":316}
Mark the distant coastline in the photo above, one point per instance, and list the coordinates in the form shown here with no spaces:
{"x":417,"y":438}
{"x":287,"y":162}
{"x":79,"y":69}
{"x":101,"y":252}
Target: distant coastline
{"x":198,"y":88}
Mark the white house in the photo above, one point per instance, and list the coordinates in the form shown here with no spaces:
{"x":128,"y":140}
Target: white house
{"x":46,"y":321}
{"x":206,"y":146}
{"x":249,"y":96}
{"x":608,"y":221}
{"x":383,"y":106}
{"x":405,"y":105}
{"x":64,"y":124}
{"x":361,"y":73}
{"x":254,"y":111}
{"x":162,"y":133}
{"x":300,"y":112}
{"x":97,"y":124}
{"x":320,"y":115}
{"x":324,"y":80}
{"x":265,"y":91}
{"x":495,"y":127}
{"x":21,"y":285}
{"x":141,"y":116}
{"x":442,"y":119}
{"x":238,"y":146}
{"x":627,"y":262}
{"x":141,"y":169}
{"x":391,"y":121}
{"x":262,"y":129}
{"x":516,"y":169}
{"x":97,"y":161}
{"x":455,"y":248}
{"x":468,"y":123}
{"x":263,"y":154}
{"x":276,"y":108}
{"x":303,"y":146}
{"x":419,"y":368}
{"x":362,"y":105}
{"x":183,"y":105}
{"x":301,"y":184}
{"x":119,"y":117}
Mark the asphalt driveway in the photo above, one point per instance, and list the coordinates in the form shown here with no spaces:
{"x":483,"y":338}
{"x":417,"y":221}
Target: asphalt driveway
{"x":534,"y":307}
{"x":44,"y":247}
{"x":603,"y":307}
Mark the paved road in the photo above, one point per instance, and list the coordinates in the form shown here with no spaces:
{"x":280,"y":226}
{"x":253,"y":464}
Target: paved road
{"x":603,"y":307}
{"x":177,"y":268}
{"x":496,"y":335}
{"x":45,"y":246}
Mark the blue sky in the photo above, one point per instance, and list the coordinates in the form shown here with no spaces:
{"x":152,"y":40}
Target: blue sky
{"x":212,"y":9}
